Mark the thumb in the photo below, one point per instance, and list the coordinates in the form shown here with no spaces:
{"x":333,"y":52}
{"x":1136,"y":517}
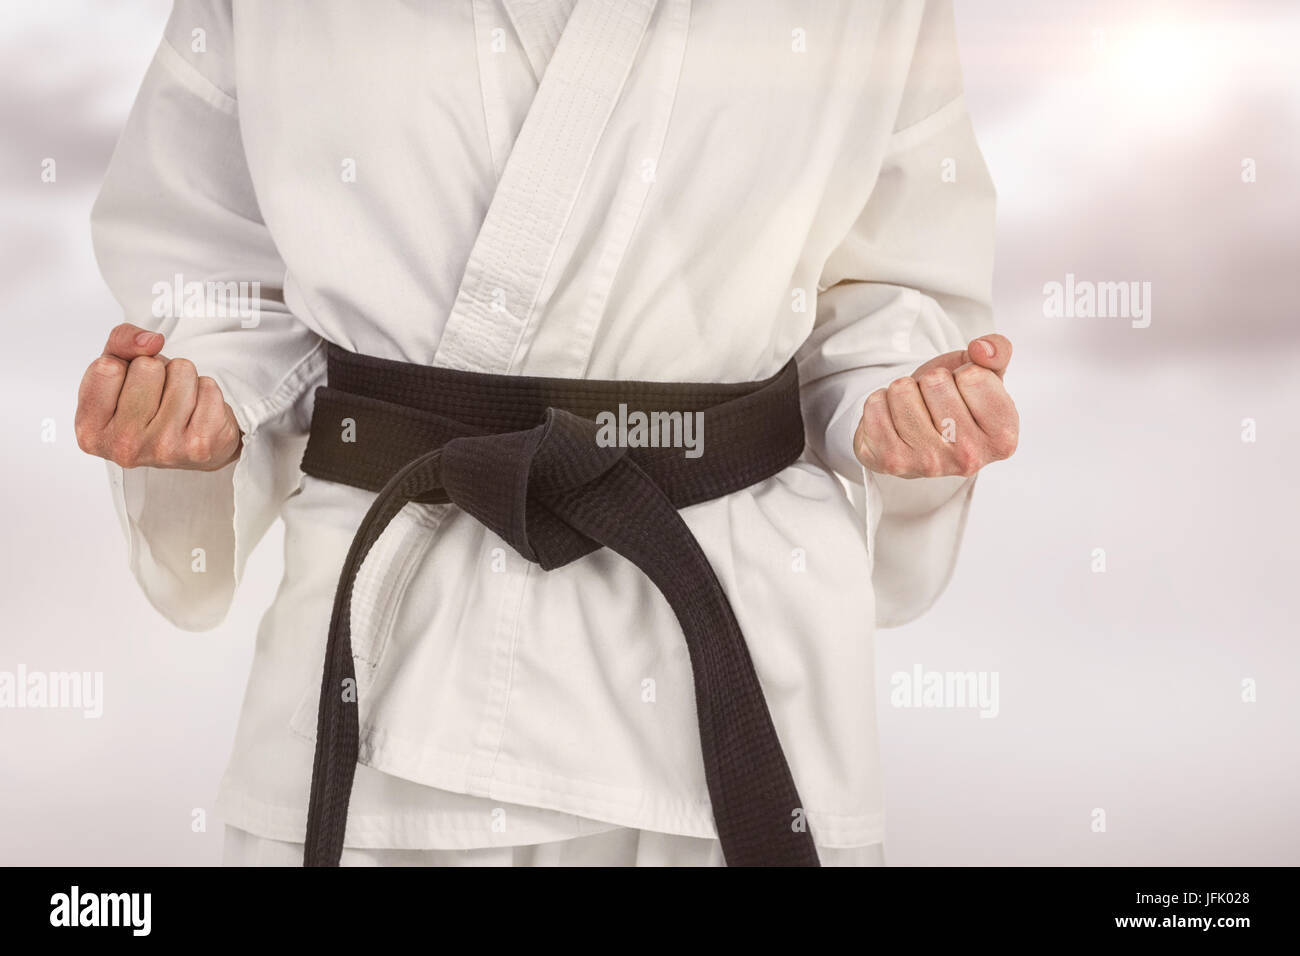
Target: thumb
{"x":129,"y":341}
{"x":991,"y":351}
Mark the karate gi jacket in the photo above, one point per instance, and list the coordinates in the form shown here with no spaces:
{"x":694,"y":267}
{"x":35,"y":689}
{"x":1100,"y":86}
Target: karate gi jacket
{"x":615,"y":189}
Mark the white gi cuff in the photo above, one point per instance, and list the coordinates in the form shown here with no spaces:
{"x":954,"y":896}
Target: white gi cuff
{"x":913,"y":526}
{"x":179,"y":528}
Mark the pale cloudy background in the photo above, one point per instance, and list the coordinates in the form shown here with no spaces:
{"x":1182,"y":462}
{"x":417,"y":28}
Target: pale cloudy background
{"x":1116,"y":133}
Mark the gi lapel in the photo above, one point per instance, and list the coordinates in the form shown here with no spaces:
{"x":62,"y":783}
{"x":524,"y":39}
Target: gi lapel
{"x":542,"y":177}
{"x":539,"y":26}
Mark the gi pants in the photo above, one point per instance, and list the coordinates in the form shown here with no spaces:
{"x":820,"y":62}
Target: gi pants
{"x":620,"y":846}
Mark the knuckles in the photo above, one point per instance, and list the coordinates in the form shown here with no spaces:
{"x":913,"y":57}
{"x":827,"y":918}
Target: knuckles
{"x":1004,"y":443}
{"x":936,"y":378}
{"x":106,"y":367}
{"x":971,"y":376}
{"x":931,"y":465}
{"x":198,"y":448}
{"x":129,"y":449}
{"x":893,"y":463}
{"x":169,"y":449}
{"x":968,"y":461}
{"x":182,"y":366}
{"x":148,"y":365}
{"x":125,"y":449}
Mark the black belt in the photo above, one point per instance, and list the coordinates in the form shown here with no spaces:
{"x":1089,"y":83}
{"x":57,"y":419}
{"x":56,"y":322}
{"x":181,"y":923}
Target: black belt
{"x":521,"y":455}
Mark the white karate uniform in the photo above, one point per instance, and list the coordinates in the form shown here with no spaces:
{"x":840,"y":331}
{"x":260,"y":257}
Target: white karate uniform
{"x":619,"y":846}
{"x":618,"y":189}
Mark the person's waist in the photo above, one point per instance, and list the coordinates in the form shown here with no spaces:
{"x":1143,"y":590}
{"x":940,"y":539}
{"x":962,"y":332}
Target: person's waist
{"x":697,"y":440}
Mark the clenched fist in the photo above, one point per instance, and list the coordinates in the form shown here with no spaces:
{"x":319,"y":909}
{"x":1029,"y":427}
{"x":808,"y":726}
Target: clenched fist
{"x":136,"y":407}
{"x":950,"y":417}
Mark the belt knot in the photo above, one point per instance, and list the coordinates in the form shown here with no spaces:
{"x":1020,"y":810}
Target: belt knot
{"x":507,"y":480}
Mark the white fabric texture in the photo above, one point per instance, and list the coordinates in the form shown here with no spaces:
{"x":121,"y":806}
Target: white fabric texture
{"x":616,"y":847}
{"x":618,"y":189}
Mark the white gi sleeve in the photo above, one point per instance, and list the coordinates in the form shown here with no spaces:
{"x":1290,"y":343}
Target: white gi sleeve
{"x":177,"y":206}
{"x":911,"y":279}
